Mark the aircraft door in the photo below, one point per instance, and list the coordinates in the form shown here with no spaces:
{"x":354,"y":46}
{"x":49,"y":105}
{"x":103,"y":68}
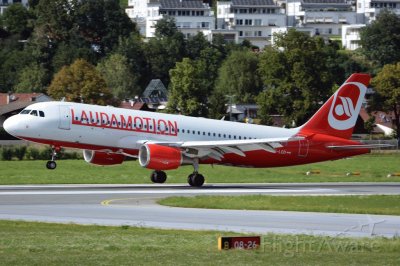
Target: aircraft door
{"x":65,"y":118}
{"x":303,"y":148}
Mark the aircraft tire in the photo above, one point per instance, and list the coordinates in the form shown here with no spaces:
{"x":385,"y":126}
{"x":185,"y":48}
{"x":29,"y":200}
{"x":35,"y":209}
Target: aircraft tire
{"x":196,"y":180}
{"x":158,"y":177}
{"x":51,"y":165}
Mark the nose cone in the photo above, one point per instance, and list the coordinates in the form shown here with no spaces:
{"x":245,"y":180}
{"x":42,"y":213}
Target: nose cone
{"x":11,"y":126}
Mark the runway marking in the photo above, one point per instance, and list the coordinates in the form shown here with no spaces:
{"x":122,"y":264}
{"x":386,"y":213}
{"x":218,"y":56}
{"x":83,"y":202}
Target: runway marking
{"x":107,"y":202}
{"x":186,"y":191}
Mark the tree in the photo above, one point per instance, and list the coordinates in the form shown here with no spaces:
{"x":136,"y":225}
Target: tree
{"x":163,"y":51}
{"x":188,"y":93}
{"x":133,"y":49}
{"x":298,"y":74}
{"x":101,"y":23}
{"x":55,"y":19}
{"x":238,"y":76}
{"x":17,"y":20}
{"x":32,"y":78}
{"x":80,"y":82}
{"x":196,"y":44}
{"x":115,"y":70}
{"x":380,"y":40}
{"x":387,"y":86}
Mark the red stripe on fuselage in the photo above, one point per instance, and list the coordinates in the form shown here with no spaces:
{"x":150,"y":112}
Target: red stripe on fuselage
{"x":83,"y":146}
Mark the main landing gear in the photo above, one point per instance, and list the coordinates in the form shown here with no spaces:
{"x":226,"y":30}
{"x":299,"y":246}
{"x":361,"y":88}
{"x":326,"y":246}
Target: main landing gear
{"x":158,"y":177}
{"x":51,"y":165}
{"x":195,"y":179}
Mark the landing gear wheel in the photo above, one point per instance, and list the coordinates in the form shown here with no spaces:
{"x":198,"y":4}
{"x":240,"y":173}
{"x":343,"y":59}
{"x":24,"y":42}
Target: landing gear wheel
{"x":51,"y":165}
{"x":158,"y":177}
{"x":196,"y":180}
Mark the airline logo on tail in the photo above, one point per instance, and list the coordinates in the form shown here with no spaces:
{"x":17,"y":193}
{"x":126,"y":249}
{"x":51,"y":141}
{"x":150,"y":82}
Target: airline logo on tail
{"x":345,"y":106}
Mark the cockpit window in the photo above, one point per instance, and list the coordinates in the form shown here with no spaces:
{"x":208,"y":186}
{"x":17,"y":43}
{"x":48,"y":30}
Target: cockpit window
{"x":41,"y":113}
{"x":24,"y":112}
{"x":34,"y":112}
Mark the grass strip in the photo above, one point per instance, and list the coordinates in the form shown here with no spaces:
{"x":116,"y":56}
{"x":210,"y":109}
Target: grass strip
{"x":372,"y":168}
{"x":24,"y":243}
{"x":373,"y":204}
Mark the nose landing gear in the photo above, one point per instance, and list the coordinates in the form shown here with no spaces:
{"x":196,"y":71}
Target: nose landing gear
{"x":51,"y":165}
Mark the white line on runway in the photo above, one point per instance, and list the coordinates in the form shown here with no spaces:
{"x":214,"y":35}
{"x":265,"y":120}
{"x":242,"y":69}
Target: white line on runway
{"x":187,"y":191}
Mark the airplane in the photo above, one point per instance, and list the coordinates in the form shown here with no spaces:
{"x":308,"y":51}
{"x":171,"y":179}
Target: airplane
{"x":163,"y":142}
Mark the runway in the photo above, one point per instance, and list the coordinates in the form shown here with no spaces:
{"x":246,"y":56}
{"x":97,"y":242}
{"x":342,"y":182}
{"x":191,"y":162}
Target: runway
{"x":135,"y":205}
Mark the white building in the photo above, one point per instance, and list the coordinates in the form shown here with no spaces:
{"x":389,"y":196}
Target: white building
{"x":252,"y":20}
{"x":325,"y":16}
{"x":191,"y":16}
{"x":351,"y":36}
{"x":5,"y":3}
{"x":368,"y":9}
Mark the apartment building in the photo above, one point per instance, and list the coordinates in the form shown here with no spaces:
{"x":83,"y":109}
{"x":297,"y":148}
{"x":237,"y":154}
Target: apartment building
{"x":367,"y":10}
{"x":252,"y":20}
{"x":191,"y":16}
{"x":326,"y":17}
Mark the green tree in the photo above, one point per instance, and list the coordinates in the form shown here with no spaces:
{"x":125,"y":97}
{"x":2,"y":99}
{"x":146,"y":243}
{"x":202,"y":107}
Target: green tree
{"x":80,"y":82}
{"x":238,"y":76}
{"x":188,"y":93}
{"x":196,"y":44}
{"x":55,"y":19}
{"x":17,"y":20}
{"x":387,"y":87}
{"x":115,"y":70}
{"x":133,"y":49}
{"x":163,"y":51}
{"x":101,"y":23}
{"x":298,"y":74}
{"x":11,"y":64}
{"x":32,"y":78}
{"x":380,"y":40}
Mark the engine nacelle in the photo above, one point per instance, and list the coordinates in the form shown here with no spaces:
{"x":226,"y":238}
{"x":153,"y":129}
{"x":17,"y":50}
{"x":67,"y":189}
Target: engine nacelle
{"x":159,"y":157}
{"x":102,"y":158}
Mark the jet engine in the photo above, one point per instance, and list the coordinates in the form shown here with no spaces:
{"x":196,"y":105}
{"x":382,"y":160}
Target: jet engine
{"x":102,"y":158}
{"x":158,"y":157}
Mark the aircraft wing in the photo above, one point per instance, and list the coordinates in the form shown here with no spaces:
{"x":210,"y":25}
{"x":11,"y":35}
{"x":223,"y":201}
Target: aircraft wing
{"x":217,"y":148}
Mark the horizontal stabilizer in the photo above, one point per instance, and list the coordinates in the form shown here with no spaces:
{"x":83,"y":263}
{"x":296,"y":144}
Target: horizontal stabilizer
{"x":361,"y":146}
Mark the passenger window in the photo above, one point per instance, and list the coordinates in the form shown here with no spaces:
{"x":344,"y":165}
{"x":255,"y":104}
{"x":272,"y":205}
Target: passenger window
{"x":41,"y":113}
{"x":34,"y":112}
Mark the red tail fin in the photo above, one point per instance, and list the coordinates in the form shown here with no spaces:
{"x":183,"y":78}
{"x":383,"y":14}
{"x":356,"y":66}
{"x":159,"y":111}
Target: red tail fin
{"x":338,"y":116}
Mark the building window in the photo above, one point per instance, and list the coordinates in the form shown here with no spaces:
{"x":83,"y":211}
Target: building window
{"x":257,"y":22}
{"x":248,"y":22}
{"x":240,"y":33}
{"x":239,"y":22}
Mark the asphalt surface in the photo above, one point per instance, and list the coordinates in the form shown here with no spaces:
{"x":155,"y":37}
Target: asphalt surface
{"x":136,"y":205}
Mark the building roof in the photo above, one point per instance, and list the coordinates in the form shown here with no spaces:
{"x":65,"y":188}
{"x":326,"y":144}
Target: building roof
{"x":6,"y":98}
{"x":155,"y":89}
{"x":181,"y":4}
{"x":253,"y":3}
